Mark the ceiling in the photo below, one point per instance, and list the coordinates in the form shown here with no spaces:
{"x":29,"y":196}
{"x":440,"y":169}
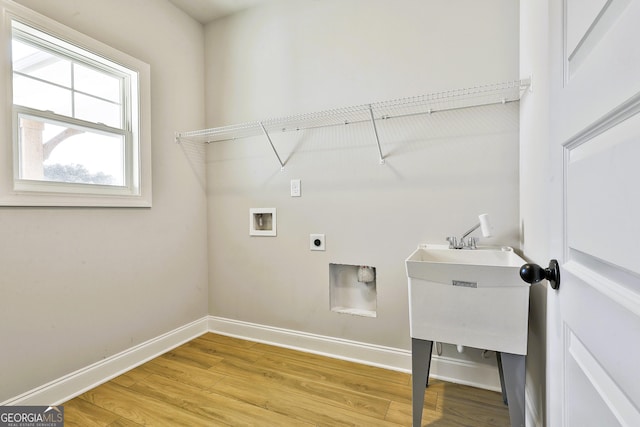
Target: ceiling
{"x":205,"y":11}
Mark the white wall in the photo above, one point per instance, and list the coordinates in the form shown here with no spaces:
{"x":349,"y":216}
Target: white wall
{"x":534,"y":189}
{"x":293,"y":56}
{"x":79,"y":285}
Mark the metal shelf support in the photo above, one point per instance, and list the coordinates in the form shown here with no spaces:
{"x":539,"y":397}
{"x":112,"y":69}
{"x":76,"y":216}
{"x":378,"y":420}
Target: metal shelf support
{"x":272,"y":146}
{"x":375,"y":132}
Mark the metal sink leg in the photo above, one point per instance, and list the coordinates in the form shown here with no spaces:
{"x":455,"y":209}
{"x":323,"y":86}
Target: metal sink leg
{"x":513,"y":385}
{"x":420,"y":365}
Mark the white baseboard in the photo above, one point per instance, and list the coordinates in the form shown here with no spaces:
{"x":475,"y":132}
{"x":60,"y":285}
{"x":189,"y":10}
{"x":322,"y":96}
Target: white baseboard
{"x":533,"y":412}
{"x":465,"y":372}
{"x":75,"y":383}
{"x":370,"y":354}
{"x":444,"y":368}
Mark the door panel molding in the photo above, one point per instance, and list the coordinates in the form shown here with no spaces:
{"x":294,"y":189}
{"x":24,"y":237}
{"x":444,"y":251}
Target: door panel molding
{"x":601,"y":178}
{"x":610,"y":246}
{"x":592,"y":36}
{"x":615,"y":291}
{"x":616,"y":400}
{"x":613,"y":118}
{"x":578,"y":24}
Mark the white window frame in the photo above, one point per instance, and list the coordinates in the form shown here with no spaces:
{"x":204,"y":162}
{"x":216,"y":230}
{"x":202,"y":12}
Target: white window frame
{"x":23,"y":192}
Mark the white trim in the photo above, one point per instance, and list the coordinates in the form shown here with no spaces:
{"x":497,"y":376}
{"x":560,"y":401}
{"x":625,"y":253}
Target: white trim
{"x":69,"y":386}
{"x":533,"y":415}
{"x":465,"y":372}
{"x":369,"y":354}
{"x":443,"y":368}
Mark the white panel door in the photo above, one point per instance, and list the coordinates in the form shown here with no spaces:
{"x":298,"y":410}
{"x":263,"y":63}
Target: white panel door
{"x":593,"y":370}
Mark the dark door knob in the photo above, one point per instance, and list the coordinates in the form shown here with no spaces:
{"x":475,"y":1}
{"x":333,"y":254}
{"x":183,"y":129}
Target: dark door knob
{"x":533,"y":273}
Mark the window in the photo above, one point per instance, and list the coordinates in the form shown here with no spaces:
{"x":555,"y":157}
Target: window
{"x":79,"y":120}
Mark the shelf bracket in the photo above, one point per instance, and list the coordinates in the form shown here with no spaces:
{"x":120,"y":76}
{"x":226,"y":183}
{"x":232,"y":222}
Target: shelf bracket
{"x":375,"y":132}
{"x":272,"y":146}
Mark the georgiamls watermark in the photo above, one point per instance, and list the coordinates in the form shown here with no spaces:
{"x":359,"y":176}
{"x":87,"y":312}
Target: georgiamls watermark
{"x":31,"y":416}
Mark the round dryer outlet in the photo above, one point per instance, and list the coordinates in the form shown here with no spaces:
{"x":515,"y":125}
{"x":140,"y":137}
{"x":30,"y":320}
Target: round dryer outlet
{"x":316,"y":242}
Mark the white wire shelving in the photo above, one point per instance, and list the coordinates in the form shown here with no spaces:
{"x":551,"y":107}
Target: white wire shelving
{"x":499,"y":93}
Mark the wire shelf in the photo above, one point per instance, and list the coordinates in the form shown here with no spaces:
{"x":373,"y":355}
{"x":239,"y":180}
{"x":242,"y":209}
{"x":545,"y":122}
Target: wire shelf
{"x":386,"y":110}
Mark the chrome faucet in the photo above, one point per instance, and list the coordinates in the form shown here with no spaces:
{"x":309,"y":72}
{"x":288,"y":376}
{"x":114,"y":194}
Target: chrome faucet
{"x":471,"y":242}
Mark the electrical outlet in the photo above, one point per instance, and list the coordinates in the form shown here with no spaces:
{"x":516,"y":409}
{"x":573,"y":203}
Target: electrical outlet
{"x":316,"y":242}
{"x":295,"y":188}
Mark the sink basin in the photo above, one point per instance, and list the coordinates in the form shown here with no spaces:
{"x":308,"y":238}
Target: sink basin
{"x":485,"y":266}
{"x":468,"y":297}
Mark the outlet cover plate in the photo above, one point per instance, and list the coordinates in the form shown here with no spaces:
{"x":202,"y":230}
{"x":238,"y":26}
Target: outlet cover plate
{"x":317,"y":242}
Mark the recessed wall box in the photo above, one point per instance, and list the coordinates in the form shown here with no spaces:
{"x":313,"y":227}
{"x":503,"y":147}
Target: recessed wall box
{"x":353,"y":289}
{"x":262,"y":221}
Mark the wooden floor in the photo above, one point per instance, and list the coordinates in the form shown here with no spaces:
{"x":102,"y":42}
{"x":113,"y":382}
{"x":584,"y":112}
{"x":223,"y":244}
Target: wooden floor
{"x":216,"y":380}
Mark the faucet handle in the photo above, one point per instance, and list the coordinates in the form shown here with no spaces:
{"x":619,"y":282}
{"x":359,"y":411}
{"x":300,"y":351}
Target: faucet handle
{"x":453,"y":243}
{"x":473,"y":243}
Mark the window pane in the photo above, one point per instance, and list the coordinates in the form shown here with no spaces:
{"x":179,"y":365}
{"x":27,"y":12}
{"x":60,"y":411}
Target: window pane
{"x":79,"y":107}
{"x":40,"y":64}
{"x":54,"y":152}
{"x":96,"y":83}
{"x":98,"y":111}
{"x":41,"y":96}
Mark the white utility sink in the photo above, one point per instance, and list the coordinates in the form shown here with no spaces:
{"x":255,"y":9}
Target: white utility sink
{"x":471,"y":297}
{"x":486,"y":266}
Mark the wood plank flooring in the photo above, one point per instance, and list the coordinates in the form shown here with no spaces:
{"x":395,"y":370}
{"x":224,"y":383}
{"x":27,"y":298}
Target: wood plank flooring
{"x":216,"y":380}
